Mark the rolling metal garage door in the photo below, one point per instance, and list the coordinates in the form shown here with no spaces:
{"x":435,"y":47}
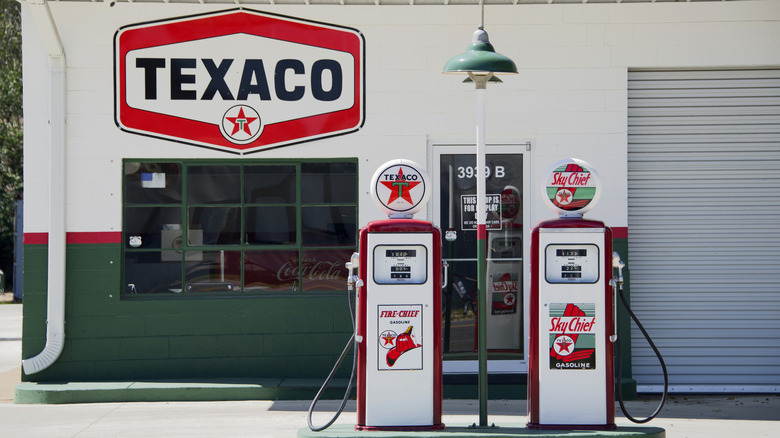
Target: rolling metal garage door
{"x":704,"y":227}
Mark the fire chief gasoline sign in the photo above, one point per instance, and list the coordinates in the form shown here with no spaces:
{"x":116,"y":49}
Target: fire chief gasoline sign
{"x":239,"y":80}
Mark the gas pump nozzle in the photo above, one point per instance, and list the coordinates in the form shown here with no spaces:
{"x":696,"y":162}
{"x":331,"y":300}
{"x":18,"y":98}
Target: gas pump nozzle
{"x":353,"y":280}
{"x":617,"y":285}
{"x":619,"y":264}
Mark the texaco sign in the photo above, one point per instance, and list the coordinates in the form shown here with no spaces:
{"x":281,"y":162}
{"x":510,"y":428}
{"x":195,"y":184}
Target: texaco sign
{"x":239,"y":80}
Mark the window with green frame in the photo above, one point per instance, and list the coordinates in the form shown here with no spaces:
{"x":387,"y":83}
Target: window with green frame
{"x":278,"y":226}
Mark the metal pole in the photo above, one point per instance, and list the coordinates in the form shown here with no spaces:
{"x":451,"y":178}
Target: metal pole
{"x":481,"y":85}
{"x":481,"y":253}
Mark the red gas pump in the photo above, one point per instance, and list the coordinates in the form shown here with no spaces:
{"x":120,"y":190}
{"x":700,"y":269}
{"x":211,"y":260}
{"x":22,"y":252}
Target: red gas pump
{"x":398,"y":330}
{"x":573,"y":310}
{"x":570,"y":366}
{"x":570,"y":371}
{"x":399,"y":378}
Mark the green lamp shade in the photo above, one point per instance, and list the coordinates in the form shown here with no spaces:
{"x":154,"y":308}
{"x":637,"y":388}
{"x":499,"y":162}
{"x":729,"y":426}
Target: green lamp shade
{"x":480,"y":57}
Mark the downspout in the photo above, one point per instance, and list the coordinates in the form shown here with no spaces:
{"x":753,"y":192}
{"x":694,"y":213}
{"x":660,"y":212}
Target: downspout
{"x":55,"y":301}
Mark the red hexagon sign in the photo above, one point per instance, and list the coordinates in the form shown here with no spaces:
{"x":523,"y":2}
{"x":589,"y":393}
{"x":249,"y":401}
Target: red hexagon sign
{"x":239,"y":80}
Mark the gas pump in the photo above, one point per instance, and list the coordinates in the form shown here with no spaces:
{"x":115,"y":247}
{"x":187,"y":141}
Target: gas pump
{"x":398,"y":329}
{"x":570,"y":366}
{"x":399,"y":307}
{"x":399,"y":361}
{"x":573,"y":307}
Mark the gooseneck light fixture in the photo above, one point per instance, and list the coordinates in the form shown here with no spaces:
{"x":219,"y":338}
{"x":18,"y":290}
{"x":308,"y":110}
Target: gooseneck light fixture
{"x":481,"y":63}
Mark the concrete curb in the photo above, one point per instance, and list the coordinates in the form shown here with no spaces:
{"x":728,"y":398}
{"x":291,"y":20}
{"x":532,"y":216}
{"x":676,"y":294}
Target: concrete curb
{"x":504,"y":431}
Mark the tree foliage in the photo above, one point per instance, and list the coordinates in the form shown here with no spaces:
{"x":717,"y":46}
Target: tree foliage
{"x":10,"y":125}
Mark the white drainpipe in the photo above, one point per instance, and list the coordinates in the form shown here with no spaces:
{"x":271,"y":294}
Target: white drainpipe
{"x":55,"y":302}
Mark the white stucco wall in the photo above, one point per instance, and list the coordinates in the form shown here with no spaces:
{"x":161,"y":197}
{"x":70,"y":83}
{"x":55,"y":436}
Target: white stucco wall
{"x":569,"y":98}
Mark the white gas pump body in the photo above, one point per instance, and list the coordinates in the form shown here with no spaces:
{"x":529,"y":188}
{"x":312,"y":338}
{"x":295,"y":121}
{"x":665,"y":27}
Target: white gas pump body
{"x":399,"y":318}
{"x":571,"y":313}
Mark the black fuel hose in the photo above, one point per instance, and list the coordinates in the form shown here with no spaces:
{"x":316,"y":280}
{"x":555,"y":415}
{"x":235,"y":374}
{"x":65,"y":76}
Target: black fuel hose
{"x":350,"y":343}
{"x":619,"y":367}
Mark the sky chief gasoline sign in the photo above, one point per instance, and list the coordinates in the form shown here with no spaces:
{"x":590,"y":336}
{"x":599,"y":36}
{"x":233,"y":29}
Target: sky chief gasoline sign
{"x":239,"y":80}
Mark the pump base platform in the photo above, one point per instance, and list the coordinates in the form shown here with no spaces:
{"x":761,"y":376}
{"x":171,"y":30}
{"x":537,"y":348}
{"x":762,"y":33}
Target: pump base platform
{"x":500,"y":431}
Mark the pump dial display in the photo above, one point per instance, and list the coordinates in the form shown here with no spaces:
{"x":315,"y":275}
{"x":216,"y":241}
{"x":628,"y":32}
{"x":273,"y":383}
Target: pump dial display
{"x":572,"y":263}
{"x":400,"y":264}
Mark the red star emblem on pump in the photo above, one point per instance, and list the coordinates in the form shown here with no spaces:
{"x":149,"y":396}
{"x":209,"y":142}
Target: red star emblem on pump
{"x":388,"y":339}
{"x":563,"y":344}
{"x":564,"y":196}
{"x":399,"y":187}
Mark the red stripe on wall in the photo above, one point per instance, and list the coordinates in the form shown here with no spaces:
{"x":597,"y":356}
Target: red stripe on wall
{"x":116,"y":237}
{"x":95,"y":237}
{"x":76,"y":237}
{"x":619,"y":232}
{"x":35,"y":238}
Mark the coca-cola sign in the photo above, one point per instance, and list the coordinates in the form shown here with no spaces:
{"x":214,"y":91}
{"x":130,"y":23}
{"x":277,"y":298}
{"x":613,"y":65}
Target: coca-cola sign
{"x":239,"y":80}
{"x":315,"y":273}
{"x":284,"y":271}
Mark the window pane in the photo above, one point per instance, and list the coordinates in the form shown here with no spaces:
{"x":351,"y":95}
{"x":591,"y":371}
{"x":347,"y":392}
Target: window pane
{"x":269,"y":184}
{"x":217,"y":225}
{"x":459,"y":308}
{"x":213,"y":184}
{"x":269,"y":225}
{"x":329,"y":226}
{"x":271,"y":271}
{"x":228,"y":205}
{"x":505,"y":180}
{"x":324,"y":269}
{"x":151,"y":227}
{"x":216,"y":271}
{"x":329,"y":183}
{"x":146,"y":274}
{"x":152,"y":183}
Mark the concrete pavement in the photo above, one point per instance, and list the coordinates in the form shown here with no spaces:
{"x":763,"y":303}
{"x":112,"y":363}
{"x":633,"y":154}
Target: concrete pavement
{"x":10,"y":347}
{"x":718,"y":416}
{"x":10,"y":336}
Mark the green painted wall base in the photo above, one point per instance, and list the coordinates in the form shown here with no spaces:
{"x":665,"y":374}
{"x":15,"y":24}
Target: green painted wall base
{"x":230,"y":389}
{"x":629,"y":389}
{"x":169,"y":390}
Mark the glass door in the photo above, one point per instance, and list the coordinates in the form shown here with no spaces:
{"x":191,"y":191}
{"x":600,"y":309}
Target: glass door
{"x":454,"y":203}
